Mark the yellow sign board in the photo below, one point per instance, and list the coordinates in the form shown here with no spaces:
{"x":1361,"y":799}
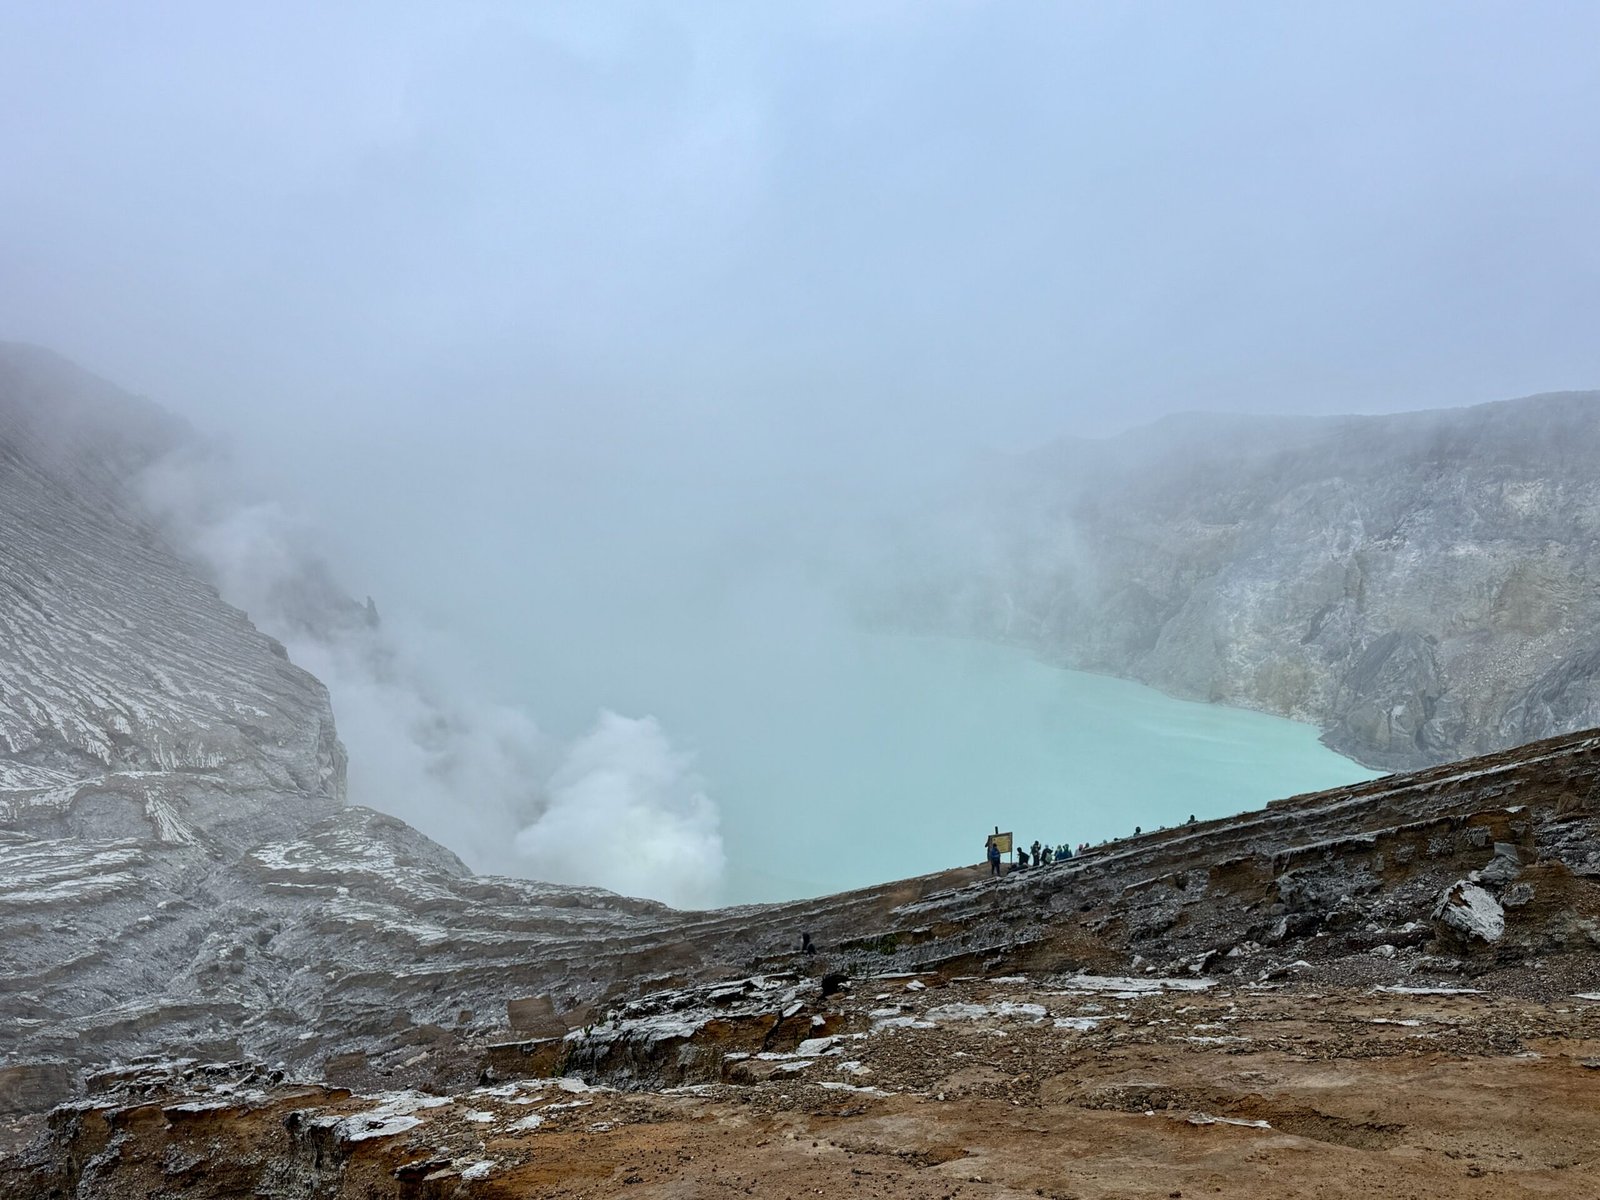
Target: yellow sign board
{"x":1001,"y":841}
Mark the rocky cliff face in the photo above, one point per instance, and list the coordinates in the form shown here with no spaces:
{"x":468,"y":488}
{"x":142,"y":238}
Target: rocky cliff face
{"x":133,"y":702}
{"x":1423,"y":586}
{"x":177,"y":865}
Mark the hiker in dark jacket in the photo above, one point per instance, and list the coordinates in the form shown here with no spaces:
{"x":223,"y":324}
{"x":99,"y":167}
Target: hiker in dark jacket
{"x":994,"y":858}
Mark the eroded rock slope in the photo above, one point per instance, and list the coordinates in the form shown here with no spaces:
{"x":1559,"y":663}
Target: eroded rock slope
{"x":1424,"y":586}
{"x":172,"y":790}
{"x":1287,"y":1002}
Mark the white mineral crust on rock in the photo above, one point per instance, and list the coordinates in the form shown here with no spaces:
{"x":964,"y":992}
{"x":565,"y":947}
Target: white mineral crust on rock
{"x":1472,"y":911}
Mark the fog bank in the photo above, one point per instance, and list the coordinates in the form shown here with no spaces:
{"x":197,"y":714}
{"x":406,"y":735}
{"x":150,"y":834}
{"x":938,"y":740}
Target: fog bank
{"x":426,"y":741}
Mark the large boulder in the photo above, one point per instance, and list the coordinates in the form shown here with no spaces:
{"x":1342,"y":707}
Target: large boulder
{"x":1471,"y":912}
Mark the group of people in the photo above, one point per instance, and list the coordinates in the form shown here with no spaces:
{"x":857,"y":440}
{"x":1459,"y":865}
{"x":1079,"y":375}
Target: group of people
{"x":1045,"y":854}
{"x":1036,"y":855}
{"x":1039,"y":855}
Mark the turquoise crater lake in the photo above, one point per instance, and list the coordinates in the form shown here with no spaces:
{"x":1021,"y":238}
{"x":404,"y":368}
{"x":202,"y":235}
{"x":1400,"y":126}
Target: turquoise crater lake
{"x":849,"y":758}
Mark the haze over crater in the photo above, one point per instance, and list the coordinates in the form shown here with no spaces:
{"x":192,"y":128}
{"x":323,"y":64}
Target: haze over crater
{"x":533,"y":314}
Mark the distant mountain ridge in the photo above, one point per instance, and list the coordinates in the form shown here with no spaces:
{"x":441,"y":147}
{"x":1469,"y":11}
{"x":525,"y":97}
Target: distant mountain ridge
{"x":1424,"y":586}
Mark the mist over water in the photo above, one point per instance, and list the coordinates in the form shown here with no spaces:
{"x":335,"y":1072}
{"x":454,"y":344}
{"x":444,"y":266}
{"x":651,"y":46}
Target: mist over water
{"x":840,"y":757}
{"x":645,"y":670}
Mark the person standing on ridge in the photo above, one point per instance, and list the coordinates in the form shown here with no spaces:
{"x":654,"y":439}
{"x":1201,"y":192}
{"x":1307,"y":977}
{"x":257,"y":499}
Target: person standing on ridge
{"x":994,"y":858}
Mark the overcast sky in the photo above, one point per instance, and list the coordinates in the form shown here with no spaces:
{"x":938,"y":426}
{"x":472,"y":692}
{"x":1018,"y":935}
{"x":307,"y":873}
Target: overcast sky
{"x":988,"y":222}
{"x":396,"y":244}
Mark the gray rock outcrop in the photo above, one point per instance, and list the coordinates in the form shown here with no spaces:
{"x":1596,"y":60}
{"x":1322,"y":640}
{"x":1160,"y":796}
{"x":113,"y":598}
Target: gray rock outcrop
{"x":1472,"y":912}
{"x":1423,"y":586}
{"x":133,"y":702}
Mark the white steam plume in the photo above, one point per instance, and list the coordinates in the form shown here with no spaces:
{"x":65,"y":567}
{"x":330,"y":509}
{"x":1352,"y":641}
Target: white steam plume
{"x":618,"y":808}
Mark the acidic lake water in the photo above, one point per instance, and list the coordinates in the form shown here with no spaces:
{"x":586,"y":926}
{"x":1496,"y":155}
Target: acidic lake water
{"x":848,"y":758}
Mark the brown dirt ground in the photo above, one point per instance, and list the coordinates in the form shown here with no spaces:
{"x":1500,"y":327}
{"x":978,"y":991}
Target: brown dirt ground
{"x":1363,"y":1094}
{"x":1481,"y":1097}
